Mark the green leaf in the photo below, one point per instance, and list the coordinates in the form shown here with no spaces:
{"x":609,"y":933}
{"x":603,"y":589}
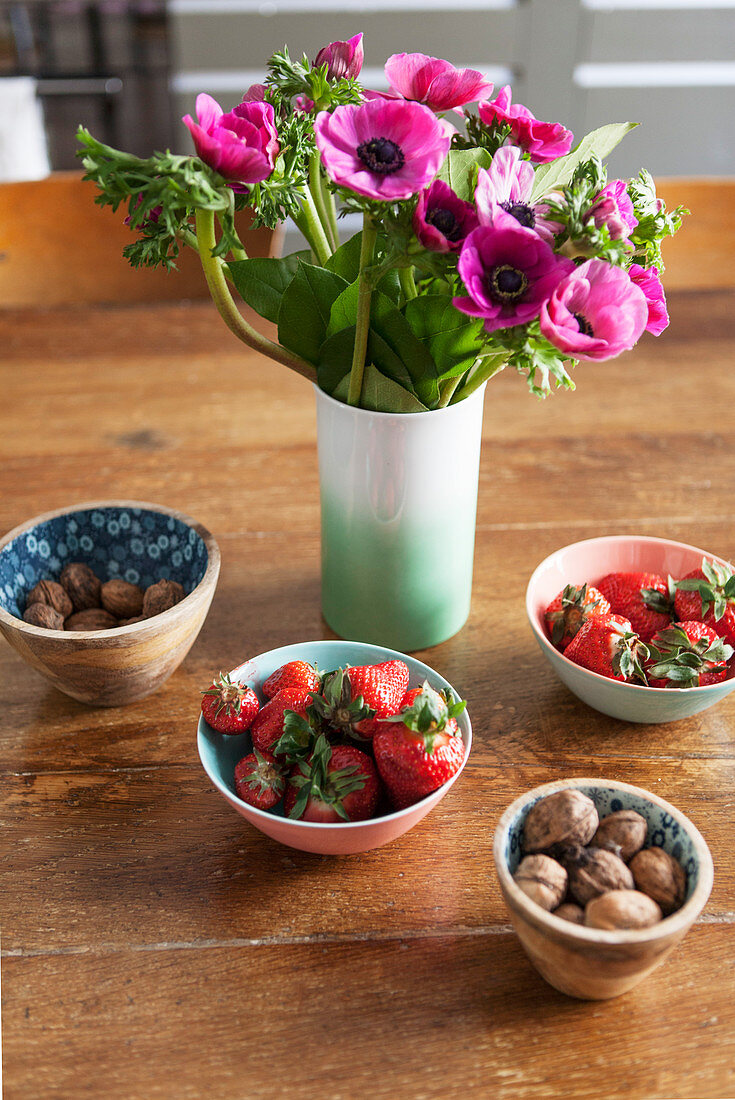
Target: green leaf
{"x":346,"y":262}
{"x":261,"y":282}
{"x":600,"y":143}
{"x":460,"y":170}
{"x":305,"y":308}
{"x":452,"y":338}
{"x":384,"y":395}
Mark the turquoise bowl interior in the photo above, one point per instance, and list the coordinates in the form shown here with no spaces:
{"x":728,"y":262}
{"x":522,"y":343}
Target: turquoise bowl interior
{"x":136,"y":544}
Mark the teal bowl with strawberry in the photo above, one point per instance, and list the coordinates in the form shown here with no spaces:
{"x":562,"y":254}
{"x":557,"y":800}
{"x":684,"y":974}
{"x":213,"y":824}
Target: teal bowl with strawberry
{"x":393,"y":782}
{"x":634,"y":572}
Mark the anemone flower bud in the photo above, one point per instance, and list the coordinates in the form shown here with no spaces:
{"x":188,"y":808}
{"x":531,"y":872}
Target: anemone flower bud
{"x":647,"y":278}
{"x":442,"y":220}
{"x":508,"y":272}
{"x":435,"y":82}
{"x":383,"y":149}
{"x":543,"y":141}
{"x":596,"y":312}
{"x":614,"y":208}
{"x":241,"y":145}
{"x":343,"y":59}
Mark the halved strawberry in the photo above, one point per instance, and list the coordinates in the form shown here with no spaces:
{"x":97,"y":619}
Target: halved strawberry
{"x":687,"y":655}
{"x":229,"y":706}
{"x":570,"y":609}
{"x":645,"y":599}
{"x":259,"y":780}
{"x":294,"y":674}
{"x":268,"y":727}
{"x":708,"y":595}
{"x":420,"y":749}
{"x":607,"y":644}
{"x":337,"y":783}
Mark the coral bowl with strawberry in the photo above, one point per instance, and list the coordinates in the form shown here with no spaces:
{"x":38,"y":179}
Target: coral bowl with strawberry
{"x":612,"y":631}
{"x":362,"y":785}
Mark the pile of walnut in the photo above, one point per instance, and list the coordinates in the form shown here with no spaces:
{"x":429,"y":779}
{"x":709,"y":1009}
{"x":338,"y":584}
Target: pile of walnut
{"x":595,"y":871}
{"x":79,"y":600}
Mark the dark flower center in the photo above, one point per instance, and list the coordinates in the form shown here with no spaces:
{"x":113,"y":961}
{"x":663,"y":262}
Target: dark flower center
{"x":521,"y":211}
{"x":381,"y":155}
{"x":584,"y":326}
{"x":507,"y":283}
{"x":445,"y":221}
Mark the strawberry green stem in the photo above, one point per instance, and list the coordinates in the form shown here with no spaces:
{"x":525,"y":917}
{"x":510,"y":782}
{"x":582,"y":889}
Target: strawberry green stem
{"x":364,"y":295}
{"x":214,"y":272}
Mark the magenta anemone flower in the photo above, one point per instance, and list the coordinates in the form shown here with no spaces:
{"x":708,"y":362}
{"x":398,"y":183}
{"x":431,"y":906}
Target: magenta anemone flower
{"x":255,"y":94}
{"x":384,"y":149}
{"x":508,"y":272}
{"x":647,"y":278}
{"x":241,"y":145}
{"x":442,"y":220}
{"x":434,"y":82}
{"x":343,"y":59}
{"x":507,"y":185}
{"x":543,"y":141}
{"x":613,"y":207}
{"x":595,"y":312}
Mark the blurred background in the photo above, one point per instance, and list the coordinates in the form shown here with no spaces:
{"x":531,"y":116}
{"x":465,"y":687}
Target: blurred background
{"x":128,"y":69}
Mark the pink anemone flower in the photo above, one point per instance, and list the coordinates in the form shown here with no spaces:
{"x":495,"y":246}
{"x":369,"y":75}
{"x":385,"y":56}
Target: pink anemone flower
{"x":543,"y":141}
{"x":442,"y":220}
{"x":241,"y":145}
{"x":343,"y":59}
{"x":383,"y":149}
{"x":596,"y":312}
{"x":647,"y":278}
{"x":435,"y":82}
{"x":613,"y":207}
{"x":508,"y":272}
{"x":507,"y":185}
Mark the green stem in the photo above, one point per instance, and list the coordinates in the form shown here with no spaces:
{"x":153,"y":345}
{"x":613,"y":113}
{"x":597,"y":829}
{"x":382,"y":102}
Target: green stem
{"x":487,"y":366}
{"x":316,"y":186}
{"x":331,"y":215}
{"x":446,"y":389}
{"x":364,"y":294}
{"x":214,"y":272}
{"x":315,"y":231}
{"x":408,"y":286}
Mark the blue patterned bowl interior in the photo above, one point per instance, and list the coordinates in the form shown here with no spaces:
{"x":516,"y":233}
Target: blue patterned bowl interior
{"x":135,"y":544}
{"x":664,"y":831}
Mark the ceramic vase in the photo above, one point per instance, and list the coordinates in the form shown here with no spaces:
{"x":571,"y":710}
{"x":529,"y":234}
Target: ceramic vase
{"x":398,"y":508}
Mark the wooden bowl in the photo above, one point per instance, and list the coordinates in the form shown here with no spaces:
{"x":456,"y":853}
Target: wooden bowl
{"x":587,"y":962}
{"x":135,"y":541}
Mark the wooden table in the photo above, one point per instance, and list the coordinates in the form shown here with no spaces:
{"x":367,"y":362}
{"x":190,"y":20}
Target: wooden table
{"x":154,"y":945}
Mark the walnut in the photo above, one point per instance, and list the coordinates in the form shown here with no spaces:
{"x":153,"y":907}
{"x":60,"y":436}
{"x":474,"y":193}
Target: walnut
{"x":660,"y":876}
{"x":82,"y":585}
{"x":623,"y":833}
{"x":622,"y":909}
{"x":571,"y":912}
{"x":542,"y":879}
{"x":161,"y":596}
{"x":93,"y":618}
{"x":42,"y":614}
{"x":51,"y":593}
{"x":594,"y":871}
{"x":121,"y":599}
{"x":560,"y":820}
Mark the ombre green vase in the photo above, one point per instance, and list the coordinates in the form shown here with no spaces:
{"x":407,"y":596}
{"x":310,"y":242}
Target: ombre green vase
{"x":398,"y":509}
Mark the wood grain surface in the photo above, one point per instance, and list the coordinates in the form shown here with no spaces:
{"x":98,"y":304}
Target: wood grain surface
{"x":154,"y":945}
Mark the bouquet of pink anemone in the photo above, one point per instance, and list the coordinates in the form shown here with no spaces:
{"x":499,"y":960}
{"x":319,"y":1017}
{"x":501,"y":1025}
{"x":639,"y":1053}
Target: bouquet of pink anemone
{"x":489,"y":240}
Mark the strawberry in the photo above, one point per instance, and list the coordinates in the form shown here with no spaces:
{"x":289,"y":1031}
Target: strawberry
{"x":269,"y":725}
{"x":687,"y":655}
{"x":420,"y":749}
{"x":606,"y":644}
{"x":294,"y":674}
{"x":353,"y":698}
{"x":645,"y":599}
{"x":336,"y":783}
{"x":571,"y":608}
{"x":228,"y":706}
{"x":708,"y":595}
{"x":259,"y":780}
